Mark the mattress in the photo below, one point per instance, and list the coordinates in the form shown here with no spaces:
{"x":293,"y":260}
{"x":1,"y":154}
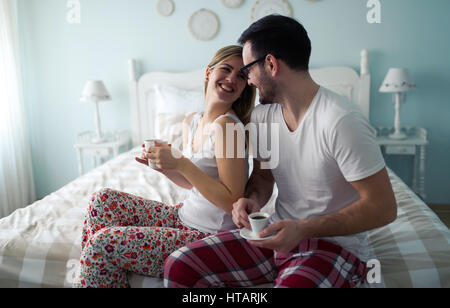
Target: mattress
{"x":40,"y":244}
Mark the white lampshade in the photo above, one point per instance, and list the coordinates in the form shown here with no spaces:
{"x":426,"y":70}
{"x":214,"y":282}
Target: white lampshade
{"x":397,"y":80}
{"x":95,"y":91}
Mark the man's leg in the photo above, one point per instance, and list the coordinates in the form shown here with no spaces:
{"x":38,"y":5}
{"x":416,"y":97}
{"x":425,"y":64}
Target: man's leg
{"x":222,"y":260}
{"x":319,"y":264}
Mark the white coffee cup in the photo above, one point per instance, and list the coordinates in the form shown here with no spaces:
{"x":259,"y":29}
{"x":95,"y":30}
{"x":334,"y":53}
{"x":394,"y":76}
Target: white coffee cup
{"x":258,"y":221}
{"x":152,"y":143}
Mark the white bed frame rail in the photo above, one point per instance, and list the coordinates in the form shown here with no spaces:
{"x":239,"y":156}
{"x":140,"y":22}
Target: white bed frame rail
{"x":341,"y":79}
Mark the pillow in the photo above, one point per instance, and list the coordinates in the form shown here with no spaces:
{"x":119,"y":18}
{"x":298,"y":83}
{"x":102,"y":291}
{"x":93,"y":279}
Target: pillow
{"x":342,"y":89}
{"x":172,"y":105}
{"x":173,"y":100}
{"x":170,"y":128}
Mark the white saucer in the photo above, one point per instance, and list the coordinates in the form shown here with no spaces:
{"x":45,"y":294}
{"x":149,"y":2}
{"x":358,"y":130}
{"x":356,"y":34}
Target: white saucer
{"x":249,"y":235}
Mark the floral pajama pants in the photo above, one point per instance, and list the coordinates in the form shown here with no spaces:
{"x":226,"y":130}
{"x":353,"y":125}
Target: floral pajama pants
{"x":124,"y":233}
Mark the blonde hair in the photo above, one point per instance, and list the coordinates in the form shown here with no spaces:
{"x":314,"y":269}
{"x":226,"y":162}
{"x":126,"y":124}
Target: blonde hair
{"x":244,"y":105}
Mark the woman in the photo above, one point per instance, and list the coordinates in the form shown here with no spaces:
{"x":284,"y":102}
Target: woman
{"x":125,"y":233}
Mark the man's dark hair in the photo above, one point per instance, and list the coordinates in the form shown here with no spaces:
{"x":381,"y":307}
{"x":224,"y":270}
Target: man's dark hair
{"x":283,"y":37}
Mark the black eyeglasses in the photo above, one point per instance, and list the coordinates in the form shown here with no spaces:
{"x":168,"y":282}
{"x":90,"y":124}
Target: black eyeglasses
{"x":244,"y":70}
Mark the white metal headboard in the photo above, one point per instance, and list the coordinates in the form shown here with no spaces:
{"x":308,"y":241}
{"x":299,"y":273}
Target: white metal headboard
{"x":343,"y":80}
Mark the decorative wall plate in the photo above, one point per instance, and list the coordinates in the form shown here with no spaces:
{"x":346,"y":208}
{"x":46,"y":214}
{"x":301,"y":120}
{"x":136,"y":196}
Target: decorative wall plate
{"x":263,"y":8}
{"x":203,"y":25}
{"x":165,"y":7}
{"x":232,"y":4}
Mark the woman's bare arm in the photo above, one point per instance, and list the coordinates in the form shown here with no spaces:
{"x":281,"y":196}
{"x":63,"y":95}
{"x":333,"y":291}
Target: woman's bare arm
{"x":232,"y":171}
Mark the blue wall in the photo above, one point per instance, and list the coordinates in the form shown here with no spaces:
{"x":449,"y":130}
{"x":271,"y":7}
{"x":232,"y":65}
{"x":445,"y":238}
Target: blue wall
{"x":59,"y":57}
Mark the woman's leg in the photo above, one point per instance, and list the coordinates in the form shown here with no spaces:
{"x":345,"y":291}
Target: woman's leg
{"x":112,"y":208}
{"x":112,"y":252}
{"x":222,"y":260}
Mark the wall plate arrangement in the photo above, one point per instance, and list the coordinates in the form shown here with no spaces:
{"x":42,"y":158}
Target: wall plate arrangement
{"x":263,"y":8}
{"x":203,"y":25}
{"x":165,"y":7}
{"x":232,"y":4}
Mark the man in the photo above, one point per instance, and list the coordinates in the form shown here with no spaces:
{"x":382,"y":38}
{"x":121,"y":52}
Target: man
{"x":331,"y":177}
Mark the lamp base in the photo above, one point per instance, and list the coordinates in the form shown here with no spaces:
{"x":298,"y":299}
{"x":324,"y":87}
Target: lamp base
{"x":398,"y":136}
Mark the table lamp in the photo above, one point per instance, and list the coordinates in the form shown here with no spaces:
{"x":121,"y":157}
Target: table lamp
{"x":397,"y":81}
{"x":95,"y":91}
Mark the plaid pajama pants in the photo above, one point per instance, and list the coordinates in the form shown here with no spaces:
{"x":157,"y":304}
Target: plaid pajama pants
{"x":228,"y":260}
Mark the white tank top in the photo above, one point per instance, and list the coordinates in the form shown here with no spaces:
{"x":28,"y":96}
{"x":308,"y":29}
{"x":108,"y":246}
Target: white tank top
{"x":197,"y":212}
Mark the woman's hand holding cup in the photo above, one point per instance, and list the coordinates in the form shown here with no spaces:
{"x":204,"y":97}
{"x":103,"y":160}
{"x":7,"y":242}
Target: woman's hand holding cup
{"x":161,"y":155}
{"x":143,"y":160}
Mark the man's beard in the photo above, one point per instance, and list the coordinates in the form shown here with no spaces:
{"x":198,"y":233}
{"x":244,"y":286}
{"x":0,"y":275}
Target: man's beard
{"x":267,"y":96}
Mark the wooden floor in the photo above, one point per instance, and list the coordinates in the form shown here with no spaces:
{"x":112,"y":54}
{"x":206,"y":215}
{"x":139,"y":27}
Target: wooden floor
{"x":443,"y":212}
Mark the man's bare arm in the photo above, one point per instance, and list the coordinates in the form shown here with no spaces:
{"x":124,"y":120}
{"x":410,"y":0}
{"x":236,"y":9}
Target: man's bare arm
{"x":258,"y":191}
{"x":375,"y":208}
{"x":260,"y":185}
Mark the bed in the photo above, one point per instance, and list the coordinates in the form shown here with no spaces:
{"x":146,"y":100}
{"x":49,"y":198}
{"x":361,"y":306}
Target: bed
{"x":40,"y":244}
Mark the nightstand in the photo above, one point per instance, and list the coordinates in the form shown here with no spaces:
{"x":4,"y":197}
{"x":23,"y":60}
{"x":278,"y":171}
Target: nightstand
{"x":100,"y":152}
{"x":414,"y":145}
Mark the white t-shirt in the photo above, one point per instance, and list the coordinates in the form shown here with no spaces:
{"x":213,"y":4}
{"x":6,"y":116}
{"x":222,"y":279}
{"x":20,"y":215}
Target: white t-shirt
{"x":333,"y":145}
